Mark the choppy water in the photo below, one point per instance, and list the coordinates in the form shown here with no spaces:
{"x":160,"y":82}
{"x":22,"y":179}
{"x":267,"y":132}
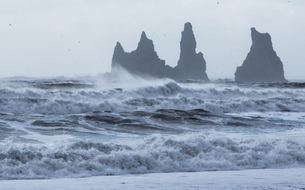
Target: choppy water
{"x":108,"y":126}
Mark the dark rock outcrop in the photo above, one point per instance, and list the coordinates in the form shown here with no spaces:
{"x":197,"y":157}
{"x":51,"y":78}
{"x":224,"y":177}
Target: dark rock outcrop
{"x":191,"y":65}
{"x":144,"y":61}
{"x":262,"y":63}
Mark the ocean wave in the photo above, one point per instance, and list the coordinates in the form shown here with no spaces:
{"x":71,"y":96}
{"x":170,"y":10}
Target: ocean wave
{"x":213,"y":97}
{"x":296,"y":85}
{"x":195,"y":152}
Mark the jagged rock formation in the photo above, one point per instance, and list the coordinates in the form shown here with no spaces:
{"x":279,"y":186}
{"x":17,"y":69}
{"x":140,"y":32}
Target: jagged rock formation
{"x":191,"y":65}
{"x":262,"y":63}
{"x":144,"y":61}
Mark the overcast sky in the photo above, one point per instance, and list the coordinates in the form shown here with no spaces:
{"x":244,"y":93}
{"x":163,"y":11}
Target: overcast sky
{"x":77,"y":37}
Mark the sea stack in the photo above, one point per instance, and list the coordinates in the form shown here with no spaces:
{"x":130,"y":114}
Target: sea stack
{"x":262,"y":63}
{"x":191,"y":65}
{"x":143,"y":61}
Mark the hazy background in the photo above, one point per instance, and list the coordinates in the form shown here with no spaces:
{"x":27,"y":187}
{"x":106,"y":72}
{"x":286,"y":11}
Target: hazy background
{"x":77,"y":37}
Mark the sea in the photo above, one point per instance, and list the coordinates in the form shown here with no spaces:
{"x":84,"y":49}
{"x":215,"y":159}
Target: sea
{"x":105,"y":125}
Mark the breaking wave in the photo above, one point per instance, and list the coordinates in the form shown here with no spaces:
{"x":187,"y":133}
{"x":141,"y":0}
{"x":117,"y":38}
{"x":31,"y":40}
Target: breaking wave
{"x":74,"y":97}
{"x":52,"y":128}
{"x":193,"y":152}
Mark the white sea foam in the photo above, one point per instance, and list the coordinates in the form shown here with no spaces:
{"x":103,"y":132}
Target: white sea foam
{"x":192,"y":152}
{"x":147,"y":96}
{"x":271,"y":179}
{"x":52,"y":128}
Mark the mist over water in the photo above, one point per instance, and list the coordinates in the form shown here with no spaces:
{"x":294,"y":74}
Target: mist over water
{"x":121,"y":124}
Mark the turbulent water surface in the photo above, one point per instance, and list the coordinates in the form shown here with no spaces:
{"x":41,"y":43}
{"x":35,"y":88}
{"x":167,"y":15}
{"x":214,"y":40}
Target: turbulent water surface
{"x":52,"y":128}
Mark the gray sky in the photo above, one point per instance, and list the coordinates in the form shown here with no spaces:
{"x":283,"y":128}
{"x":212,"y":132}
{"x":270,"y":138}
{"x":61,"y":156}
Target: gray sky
{"x":77,"y":37}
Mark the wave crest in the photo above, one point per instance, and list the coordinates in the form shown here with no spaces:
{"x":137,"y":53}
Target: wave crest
{"x":156,"y":154}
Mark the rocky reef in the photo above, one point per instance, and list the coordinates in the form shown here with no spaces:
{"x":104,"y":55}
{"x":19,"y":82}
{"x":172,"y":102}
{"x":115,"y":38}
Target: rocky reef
{"x":262,"y":63}
{"x":144,"y":61}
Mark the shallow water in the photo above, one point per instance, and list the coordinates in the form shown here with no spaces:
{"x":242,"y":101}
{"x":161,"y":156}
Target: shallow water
{"x":53,"y":128}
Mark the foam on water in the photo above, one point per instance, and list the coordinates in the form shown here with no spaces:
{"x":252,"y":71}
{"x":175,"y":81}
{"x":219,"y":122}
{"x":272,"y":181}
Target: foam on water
{"x":216,"y":97}
{"x":121,"y":124}
{"x":187,"y":153}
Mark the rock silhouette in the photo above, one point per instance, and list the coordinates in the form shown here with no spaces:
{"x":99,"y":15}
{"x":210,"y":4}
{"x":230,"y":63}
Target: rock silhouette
{"x":191,"y":65}
{"x":262,"y":63}
{"x":144,"y":61}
